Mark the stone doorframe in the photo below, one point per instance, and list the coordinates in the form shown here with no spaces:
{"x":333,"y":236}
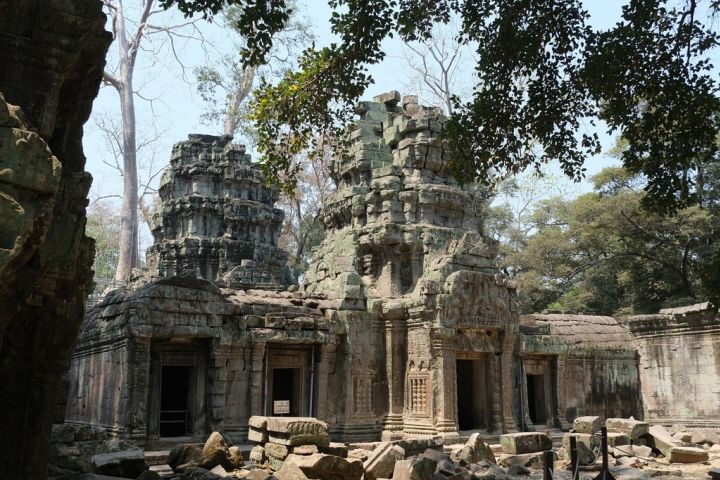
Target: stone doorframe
{"x":545,"y":365}
{"x":194,"y":355}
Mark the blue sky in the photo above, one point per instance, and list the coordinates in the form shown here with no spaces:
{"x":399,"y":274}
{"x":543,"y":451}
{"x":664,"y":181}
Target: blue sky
{"x":173,"y":107}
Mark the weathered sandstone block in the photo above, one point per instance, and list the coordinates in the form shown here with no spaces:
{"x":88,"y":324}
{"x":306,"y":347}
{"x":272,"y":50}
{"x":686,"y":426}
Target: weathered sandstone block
{"x":587,"y":424}
{"x":632,"y":428}
{"x":381,"y":462}
{"x":414,"y":469}
{"x":323,"y":466}
{"x":294,"y":431}
{"x":525,"y":442}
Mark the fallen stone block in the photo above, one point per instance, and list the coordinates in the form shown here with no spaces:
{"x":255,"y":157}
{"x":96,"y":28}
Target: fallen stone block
{"x":236,"y":457}
{"x":319,"y":465}
{"x":632,"y":428}
{"x":184,"y":456}
{"x":127,"y":464}
{"x":642,"y":451}
{"x":679,"y":454}
{"x":258,"y":474}
{"x":258,"y":455}
{"x":359,"y":454}
{"x":305,"y":449}
{"x":290,"y":471}
{"x":524,"y":459}
{"x":525,"y":442}
{"x":588,"y":424}
{"x":381,"y":462}
{"x":662,"y":440}
{"x":292,"y":431}
{"x":414,"y":469}
{"x":258,"y":429}
{"x":585,"y":455}
{"x":621,"y":451}
{"x":628,"y":473}
{"x":616,"y":439}
{"x":335,"y":448}
{"x":416,"y":446}
{"x":433,"y":454}
{"x":589,"y":440}
{"x":475,"y":450}
{"x":276,"y":450}
{"x":216,"y":452}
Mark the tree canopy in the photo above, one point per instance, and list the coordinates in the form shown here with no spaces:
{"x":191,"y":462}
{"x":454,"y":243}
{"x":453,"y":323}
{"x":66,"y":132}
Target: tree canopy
{"x":603,"y":253}
{"x":541,"y":73}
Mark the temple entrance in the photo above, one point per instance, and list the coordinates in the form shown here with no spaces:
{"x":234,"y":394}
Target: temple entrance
{"x":178,"y":385}
{"x":290,"y":380}
{"x":174,"y":401}
{"x":537,"y":403}
{"x":472,"y":391}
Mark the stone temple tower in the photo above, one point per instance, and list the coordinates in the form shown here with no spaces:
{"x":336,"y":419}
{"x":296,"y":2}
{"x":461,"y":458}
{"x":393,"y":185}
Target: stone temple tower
{"x":216,"y":219}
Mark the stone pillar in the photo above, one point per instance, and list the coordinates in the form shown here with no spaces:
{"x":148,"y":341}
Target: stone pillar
{"x":560,"y":388}
{"x":395,"y":371}
{"x":496,"y":386}
{"x":445,"y":385}
{"x":257,"y":378}
{"x":507,"y":378}
{"x":139,"y":385}
{"x":323,"y":370}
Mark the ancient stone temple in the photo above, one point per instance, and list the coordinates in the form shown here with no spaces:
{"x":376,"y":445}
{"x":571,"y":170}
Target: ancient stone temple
{"x":431,"y":328}
{"x":216,"y":220}
{"x":403,"y":327}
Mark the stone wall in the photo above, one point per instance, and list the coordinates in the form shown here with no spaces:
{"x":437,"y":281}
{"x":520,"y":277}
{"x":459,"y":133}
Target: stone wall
{"x":590,"y":362}
{"x":51,"y":60}
{"x":679,"y":351}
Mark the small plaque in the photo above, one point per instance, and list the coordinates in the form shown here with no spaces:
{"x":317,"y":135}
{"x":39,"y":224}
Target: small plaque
{"x":281,"y":407}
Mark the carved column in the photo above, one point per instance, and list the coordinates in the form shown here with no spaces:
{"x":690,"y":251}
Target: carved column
{"x":560,"y":388}
{"x":395,"y":367}
{"x":327,"y":360}
{"x":445,"y":384}
{"x":496,"y":403}
{"x":139,"y":385}
{"x":508,"y":376}
{"x":257,"y":378}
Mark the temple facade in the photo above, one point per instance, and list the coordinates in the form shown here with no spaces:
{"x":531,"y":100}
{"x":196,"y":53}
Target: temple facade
{"x":403,"y":326}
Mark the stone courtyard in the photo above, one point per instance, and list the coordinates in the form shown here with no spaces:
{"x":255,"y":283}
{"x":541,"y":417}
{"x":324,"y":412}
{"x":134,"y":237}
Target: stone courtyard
{"x":401,"y":355}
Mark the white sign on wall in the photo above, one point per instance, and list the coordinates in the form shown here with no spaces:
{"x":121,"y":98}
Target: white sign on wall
{"x":281,"y":407}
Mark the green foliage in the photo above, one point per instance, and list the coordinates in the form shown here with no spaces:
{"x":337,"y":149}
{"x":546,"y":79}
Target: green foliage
{"x":103,"y":225}
{"x":604,"y":253}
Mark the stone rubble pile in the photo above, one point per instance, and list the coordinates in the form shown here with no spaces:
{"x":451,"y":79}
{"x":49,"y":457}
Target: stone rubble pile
{"x":639,"y":450}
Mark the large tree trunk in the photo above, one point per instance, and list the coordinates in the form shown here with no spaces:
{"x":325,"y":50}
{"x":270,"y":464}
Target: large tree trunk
{"x":51,"y":60}
{"x":129,"y":228}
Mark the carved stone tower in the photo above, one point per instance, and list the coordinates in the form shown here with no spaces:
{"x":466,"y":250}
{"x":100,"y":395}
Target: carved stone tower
{"x":216,"y":218}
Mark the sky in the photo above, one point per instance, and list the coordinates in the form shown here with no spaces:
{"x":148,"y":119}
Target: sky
{"x":170,"y":107}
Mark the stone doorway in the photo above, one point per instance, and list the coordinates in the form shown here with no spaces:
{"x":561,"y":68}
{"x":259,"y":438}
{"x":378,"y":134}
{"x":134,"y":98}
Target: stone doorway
{"x":473,"y":406}
{"x":177,"y":394}
{"x":537,"y":402}
{"x":290,"y":379}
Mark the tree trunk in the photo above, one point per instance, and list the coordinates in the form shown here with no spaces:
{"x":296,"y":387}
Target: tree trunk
{"x":232,"y":117}
{"x":45,"y":276}
{"x":128,"y":246}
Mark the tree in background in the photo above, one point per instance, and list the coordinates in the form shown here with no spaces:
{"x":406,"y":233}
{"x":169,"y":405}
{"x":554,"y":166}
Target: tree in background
{"x":604,"y":253}
{"x":227,"y":87}
{"x":132,"y":36}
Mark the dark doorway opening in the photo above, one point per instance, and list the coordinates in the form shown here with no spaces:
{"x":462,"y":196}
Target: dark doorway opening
{"x":537,"y":406}
{"x":472,"y":394}
{"x":286,"y":386}
{"x":174,"y":394}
